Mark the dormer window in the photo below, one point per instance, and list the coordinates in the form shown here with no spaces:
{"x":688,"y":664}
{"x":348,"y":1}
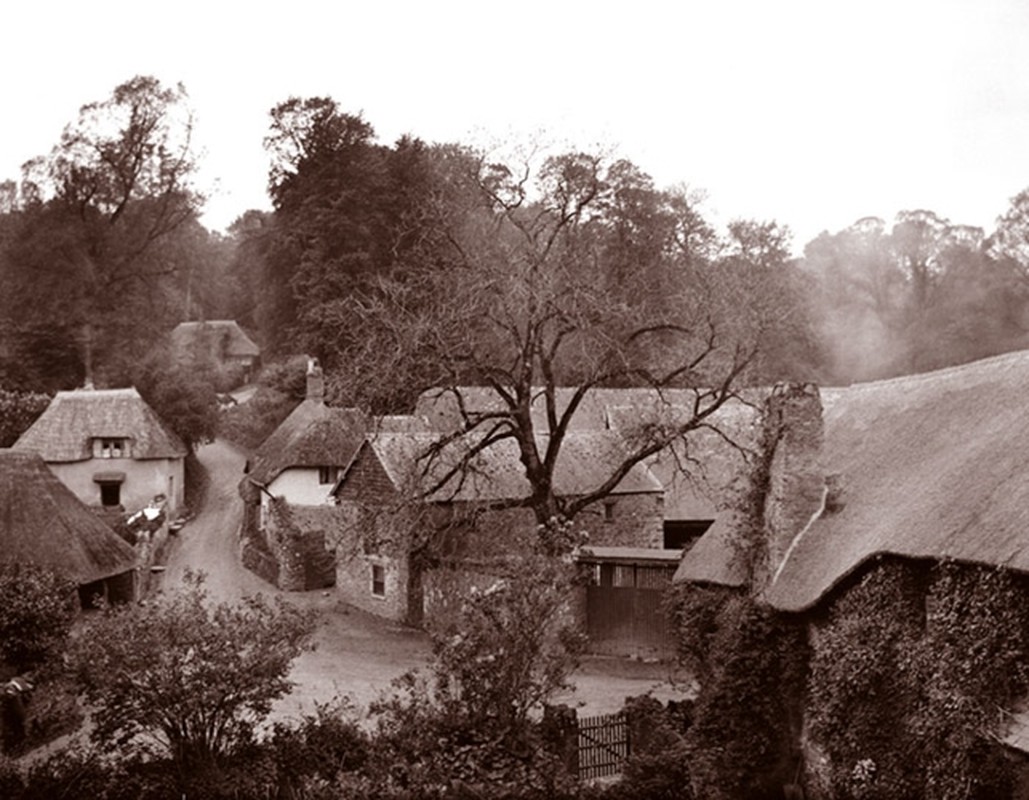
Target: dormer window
{"x":108,"y":447}
{"x":327,"y":475}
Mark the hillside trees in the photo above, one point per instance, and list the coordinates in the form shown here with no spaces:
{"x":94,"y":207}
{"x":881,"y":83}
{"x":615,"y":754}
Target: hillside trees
{"x":922,"y":294}
{"x":98,"y":249}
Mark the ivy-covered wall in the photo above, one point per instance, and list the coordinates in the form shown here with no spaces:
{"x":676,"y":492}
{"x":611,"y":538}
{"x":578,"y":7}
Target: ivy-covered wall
{"x":912,"y":672}
{"x":899,"y":687}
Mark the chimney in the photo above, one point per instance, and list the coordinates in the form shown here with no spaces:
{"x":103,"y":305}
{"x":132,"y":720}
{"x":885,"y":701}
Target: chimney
{"x":315,"y":381}
{"x":796,"y":488}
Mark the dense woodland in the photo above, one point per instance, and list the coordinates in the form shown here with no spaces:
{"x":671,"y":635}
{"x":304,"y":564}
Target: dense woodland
{"x":372,"y":247}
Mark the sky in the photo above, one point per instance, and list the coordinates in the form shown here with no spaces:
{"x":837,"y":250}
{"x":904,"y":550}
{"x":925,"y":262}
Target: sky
{"x":813,"y":114}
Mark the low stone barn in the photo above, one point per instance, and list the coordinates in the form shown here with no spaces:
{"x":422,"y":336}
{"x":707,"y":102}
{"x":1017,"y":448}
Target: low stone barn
{"x":416,"y":536}
{"x":43,"y":523}
{"x":908,"y":495}
{"x":110,"y":448}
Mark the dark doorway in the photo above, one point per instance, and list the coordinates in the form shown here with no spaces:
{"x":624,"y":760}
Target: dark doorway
{"x":683,"y":534}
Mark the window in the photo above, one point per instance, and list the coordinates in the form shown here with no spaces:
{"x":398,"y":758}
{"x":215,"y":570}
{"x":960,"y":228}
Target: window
{"x":682,"y":534}
{"x":609,"y":511}
{"x":110,"y":494}
{"x":327,"y":475}
{"x":111,"y":448}
{"x":378,"y":580}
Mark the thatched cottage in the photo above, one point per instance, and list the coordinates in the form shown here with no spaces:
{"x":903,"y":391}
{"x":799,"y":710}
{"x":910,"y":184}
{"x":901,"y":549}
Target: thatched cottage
{"x":893,"y":526}
{"x":110,"y":448}
{"x":288,"y":505}
{"x":219,"y":343}
{"x":43,"y":523}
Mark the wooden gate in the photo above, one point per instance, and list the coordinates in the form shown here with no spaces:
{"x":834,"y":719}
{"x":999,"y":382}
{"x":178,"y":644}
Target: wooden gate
{"x":603,"y":745}
{"x":624,"y":607}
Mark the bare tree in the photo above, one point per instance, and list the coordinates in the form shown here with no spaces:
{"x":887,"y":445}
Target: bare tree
{"x":524,"y":309}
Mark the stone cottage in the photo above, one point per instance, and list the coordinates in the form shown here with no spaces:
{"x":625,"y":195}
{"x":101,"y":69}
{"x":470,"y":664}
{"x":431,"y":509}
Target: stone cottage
{"x":110,"y":448}
{"x":423,"y":523}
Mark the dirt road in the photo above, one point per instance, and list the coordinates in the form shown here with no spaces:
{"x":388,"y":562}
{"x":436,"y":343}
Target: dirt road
{"x":210,"y":542}
{"x":356,"y":655}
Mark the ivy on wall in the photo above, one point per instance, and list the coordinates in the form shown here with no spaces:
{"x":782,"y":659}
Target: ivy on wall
{"x":752,"y":664}
{"x":910,"y":677}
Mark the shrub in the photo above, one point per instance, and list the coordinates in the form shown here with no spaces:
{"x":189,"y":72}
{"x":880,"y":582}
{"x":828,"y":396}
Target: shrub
{"x":185,"y":678}
{"x":36,"y":614}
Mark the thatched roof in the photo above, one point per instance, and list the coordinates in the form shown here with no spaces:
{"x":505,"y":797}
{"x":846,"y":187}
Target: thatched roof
{"x":43,"y":523}
{"x":929,"y":466}
{"x":219,"y":338}
{"x":313,"y":435}
{"x":585,"y":461}
{"x":66,"y":430}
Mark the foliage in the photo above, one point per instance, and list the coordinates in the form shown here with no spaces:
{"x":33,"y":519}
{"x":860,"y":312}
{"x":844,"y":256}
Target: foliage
{"x":18,"y":410}
{"x":908,"y":676}
{"x":183,"y":398}
{"x":105,"y":243}
{"x":920,"y":295}
{"x":658,"y":767}
{"x":752,"y":662}
{"x":36,"y":613}
{"x":471,"y":725}
{"x":185,"y":677}
{"x":249,"y":424}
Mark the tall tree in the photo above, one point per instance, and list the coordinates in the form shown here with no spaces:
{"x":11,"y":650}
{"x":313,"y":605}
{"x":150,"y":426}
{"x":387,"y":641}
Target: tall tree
{"x":90,"y":256}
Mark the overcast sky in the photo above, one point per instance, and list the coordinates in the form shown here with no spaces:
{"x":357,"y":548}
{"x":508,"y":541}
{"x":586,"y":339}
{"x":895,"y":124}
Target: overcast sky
{"x":811,"y":113}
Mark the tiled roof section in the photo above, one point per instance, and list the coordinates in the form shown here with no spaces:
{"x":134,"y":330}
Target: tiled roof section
{"x":218,"y":337}
{"x":66,"y":430}
{"x":313,"y":435}
{"x":585,"y":462}
{"x":442,"y":408}
{"x":701,"y":472}
{"x":43,"y":523}
{"x":931,"y":466}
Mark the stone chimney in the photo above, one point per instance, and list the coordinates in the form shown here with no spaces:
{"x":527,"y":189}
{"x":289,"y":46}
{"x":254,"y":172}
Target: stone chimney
{"x":315,"y":381}
{"x":796,"y":487}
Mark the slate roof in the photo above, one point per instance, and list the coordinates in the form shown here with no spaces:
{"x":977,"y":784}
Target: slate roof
{"x":443,"y":411}
{"x":218,"y":337}
{"x":930,"y":466}
{"x":66,"y":429}
{"x":313,"y":435}
{"x":585,"y":461}
{"x":43,"y":523}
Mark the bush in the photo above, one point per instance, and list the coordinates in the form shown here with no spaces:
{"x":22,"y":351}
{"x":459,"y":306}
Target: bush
{"x":184,"y":678}
{"x":36,"y":613}
{"x":249,"y":424}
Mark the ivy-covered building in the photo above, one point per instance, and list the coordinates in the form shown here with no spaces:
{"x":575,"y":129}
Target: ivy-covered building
{"x":884,"y":545}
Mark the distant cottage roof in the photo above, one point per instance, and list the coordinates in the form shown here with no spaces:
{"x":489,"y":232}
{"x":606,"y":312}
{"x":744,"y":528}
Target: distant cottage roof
{"x":43,"y":523}
{"x":584,"y":463}
{"x":930,"y":466}
{"x":313,"y":435}
{"x":66,"y":429}
{"x":217,"y":337}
